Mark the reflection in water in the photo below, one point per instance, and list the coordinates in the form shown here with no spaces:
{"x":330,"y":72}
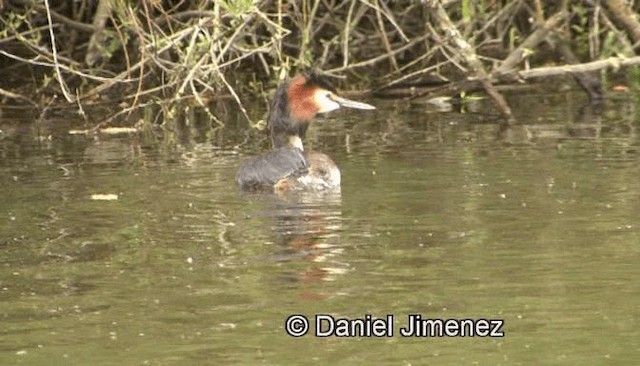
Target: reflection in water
{"x":306,"y":226}
{"x":588,"y":123}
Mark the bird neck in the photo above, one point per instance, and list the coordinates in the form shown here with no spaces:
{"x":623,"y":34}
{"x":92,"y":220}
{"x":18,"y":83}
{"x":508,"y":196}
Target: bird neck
{"x":281,"y":139}
{"x":285,"y":130}
{"x":285,"y":127}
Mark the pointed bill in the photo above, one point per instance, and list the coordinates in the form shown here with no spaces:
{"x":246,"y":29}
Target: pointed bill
{"x":347,"y":103}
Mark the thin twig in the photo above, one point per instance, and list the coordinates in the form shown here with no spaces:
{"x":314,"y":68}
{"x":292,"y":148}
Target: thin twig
{"x":63,"y":85}
{"x":387,"y":14}
{"x":345,"y":41}
{"x":385,"y":39}
{"x":12,"y":95}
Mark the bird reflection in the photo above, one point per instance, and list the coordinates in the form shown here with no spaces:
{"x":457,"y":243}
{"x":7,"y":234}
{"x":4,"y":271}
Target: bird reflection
{"x":306,"y":229}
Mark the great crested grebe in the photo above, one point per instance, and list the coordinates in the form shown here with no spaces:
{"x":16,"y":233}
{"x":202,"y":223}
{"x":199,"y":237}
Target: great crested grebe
{"x":287,"y":166}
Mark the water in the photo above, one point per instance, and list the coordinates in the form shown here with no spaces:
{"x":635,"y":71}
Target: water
{"x":441,"y":214}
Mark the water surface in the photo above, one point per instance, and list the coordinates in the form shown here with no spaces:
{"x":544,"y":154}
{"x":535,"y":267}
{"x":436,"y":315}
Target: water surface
{"x":441,"y":214}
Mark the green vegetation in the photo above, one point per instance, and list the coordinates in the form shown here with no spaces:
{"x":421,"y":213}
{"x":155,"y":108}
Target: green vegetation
{"x":140,"y":53}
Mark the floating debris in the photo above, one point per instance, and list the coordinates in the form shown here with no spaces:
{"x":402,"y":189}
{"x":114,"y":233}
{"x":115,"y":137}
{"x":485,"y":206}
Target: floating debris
{"x":620,"y":88}
{"x":442,"y":104}
{"x":106,"y":131}
{"x":228,"y":325}
{"x":117,"y":130}
{"x":104,"y":197}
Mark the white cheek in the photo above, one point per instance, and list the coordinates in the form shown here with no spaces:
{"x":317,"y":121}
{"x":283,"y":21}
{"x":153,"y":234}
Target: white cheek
{"x":324,"y":103}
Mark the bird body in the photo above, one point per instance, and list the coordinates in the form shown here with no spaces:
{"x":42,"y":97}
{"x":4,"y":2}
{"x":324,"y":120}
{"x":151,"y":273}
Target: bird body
{"x":288,"y":166}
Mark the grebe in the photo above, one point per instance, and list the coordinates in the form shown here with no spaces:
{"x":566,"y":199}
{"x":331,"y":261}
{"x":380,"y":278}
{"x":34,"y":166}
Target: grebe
{"x":287,"y":166}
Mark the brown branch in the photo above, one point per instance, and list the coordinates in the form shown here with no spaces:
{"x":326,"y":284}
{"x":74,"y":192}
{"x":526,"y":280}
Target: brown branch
{"x":505,"y":9}
{"x":608,"y":63}
{"x":468,"y":54}
{"x":539,"y":72}
{"x":59,"y":17}
{"x":620,"y":36}
{"x":590,"y":83}
{"x":389,"y":16}
{"x":537,"y":37}
{"x":385,"y":39}
{"x":187,"y":15}
{"x":623,"y":15}
{"x":54,"y":52}
{"x":70,"y":22}
{"x":97,"y":47}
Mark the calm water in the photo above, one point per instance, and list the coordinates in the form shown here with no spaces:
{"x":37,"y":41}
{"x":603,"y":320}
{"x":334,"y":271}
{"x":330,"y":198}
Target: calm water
{"x":441,"y":214}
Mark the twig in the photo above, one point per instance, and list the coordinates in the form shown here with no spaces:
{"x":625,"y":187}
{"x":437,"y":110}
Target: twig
{"x":345,"y":42}
{"x":63,"y":85}
{"x":12,"y":95}
{"x":44,"y":110}
{"x":411,"y":75}
{"x":126,"y":110}
{"x":140,"y":64}
{"x":187,"y":58}
{"x":248,"y":20}
{"x":212,"y":116}
{"x":387,"y":14}
{"x":143,"y":55}
{"x":80,"y":109}
{"x":375,"y":60}
{"x":88,"y":28}
{"x":385,"y":39}
{"x":306,"y":32}
{"x":494,"y":19}
{"x":45,"y":52}
{"x":34,"y":61}
{"x":20,"y":36}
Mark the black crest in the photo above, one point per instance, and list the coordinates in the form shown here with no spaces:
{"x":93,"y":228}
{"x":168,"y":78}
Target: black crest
{"x":314,"y":78}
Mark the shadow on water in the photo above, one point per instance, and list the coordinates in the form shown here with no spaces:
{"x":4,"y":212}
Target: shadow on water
{"x":139,"y":248}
